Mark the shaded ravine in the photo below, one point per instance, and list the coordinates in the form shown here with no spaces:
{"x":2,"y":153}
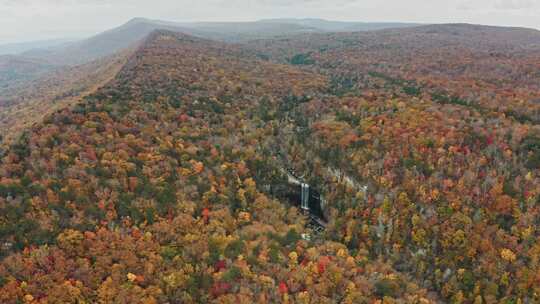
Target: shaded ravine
{"x":311,"y":201}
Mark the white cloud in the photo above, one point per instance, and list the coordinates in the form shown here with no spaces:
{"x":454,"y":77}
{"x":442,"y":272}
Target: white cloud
{"x":485,"y":5}
{"x":514,"y":4}
{"x":40,"y":19}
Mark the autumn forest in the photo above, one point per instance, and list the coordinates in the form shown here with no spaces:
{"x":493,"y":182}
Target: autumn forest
{"x":162,"y":174}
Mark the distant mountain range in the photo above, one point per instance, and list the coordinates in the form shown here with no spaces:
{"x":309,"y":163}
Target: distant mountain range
{"x":137,"y":28}
{"x":36,"y":59}
{"x":341,"y":26}
{"x":33,"y":59}
{"x":17,"y":69}
{"x":21,"y":47}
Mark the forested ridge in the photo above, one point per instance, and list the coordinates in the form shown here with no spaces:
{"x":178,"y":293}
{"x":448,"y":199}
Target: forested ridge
{"x":159,"y":187}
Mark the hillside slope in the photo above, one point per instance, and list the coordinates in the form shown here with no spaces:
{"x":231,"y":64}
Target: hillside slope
{"x":107,"y":43}
{"x":15,"y":71}
{"x":490,"y":67}
{"x":20,"y":70}
{"x":128,"y":34}
{"x":152,"y":190}
{"x":21,"y":47}
{"x":441,"y":123}
{"x":168,"y":184}
{"x":322,"y":25}
{"x":22,"y":106}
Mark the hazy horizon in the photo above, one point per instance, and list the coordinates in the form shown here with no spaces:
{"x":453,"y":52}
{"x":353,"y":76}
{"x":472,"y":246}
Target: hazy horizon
{"x":31,"y":20}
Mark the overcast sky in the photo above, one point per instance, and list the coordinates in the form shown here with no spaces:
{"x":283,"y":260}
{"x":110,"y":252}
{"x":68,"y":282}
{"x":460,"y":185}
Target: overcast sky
{"x":26,"y":20}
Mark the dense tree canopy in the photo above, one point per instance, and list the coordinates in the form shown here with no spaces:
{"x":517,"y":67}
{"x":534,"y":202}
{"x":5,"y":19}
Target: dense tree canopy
{"x":163,"y":185}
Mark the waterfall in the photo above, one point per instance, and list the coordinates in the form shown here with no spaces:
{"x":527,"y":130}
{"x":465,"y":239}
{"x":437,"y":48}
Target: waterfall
{"x":305,"y":196}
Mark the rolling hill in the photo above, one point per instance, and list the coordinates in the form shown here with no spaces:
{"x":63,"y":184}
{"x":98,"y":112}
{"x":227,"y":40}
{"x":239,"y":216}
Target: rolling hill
{"x":135,"y":30}
{"x":52,"y":55}
{"x":21,"y":47}
{"x":17,"y":70}
{"x":322,"y":25}
{"x":489,"y":67}
{"x":31,"y":64}
{"x":24,"y":105}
